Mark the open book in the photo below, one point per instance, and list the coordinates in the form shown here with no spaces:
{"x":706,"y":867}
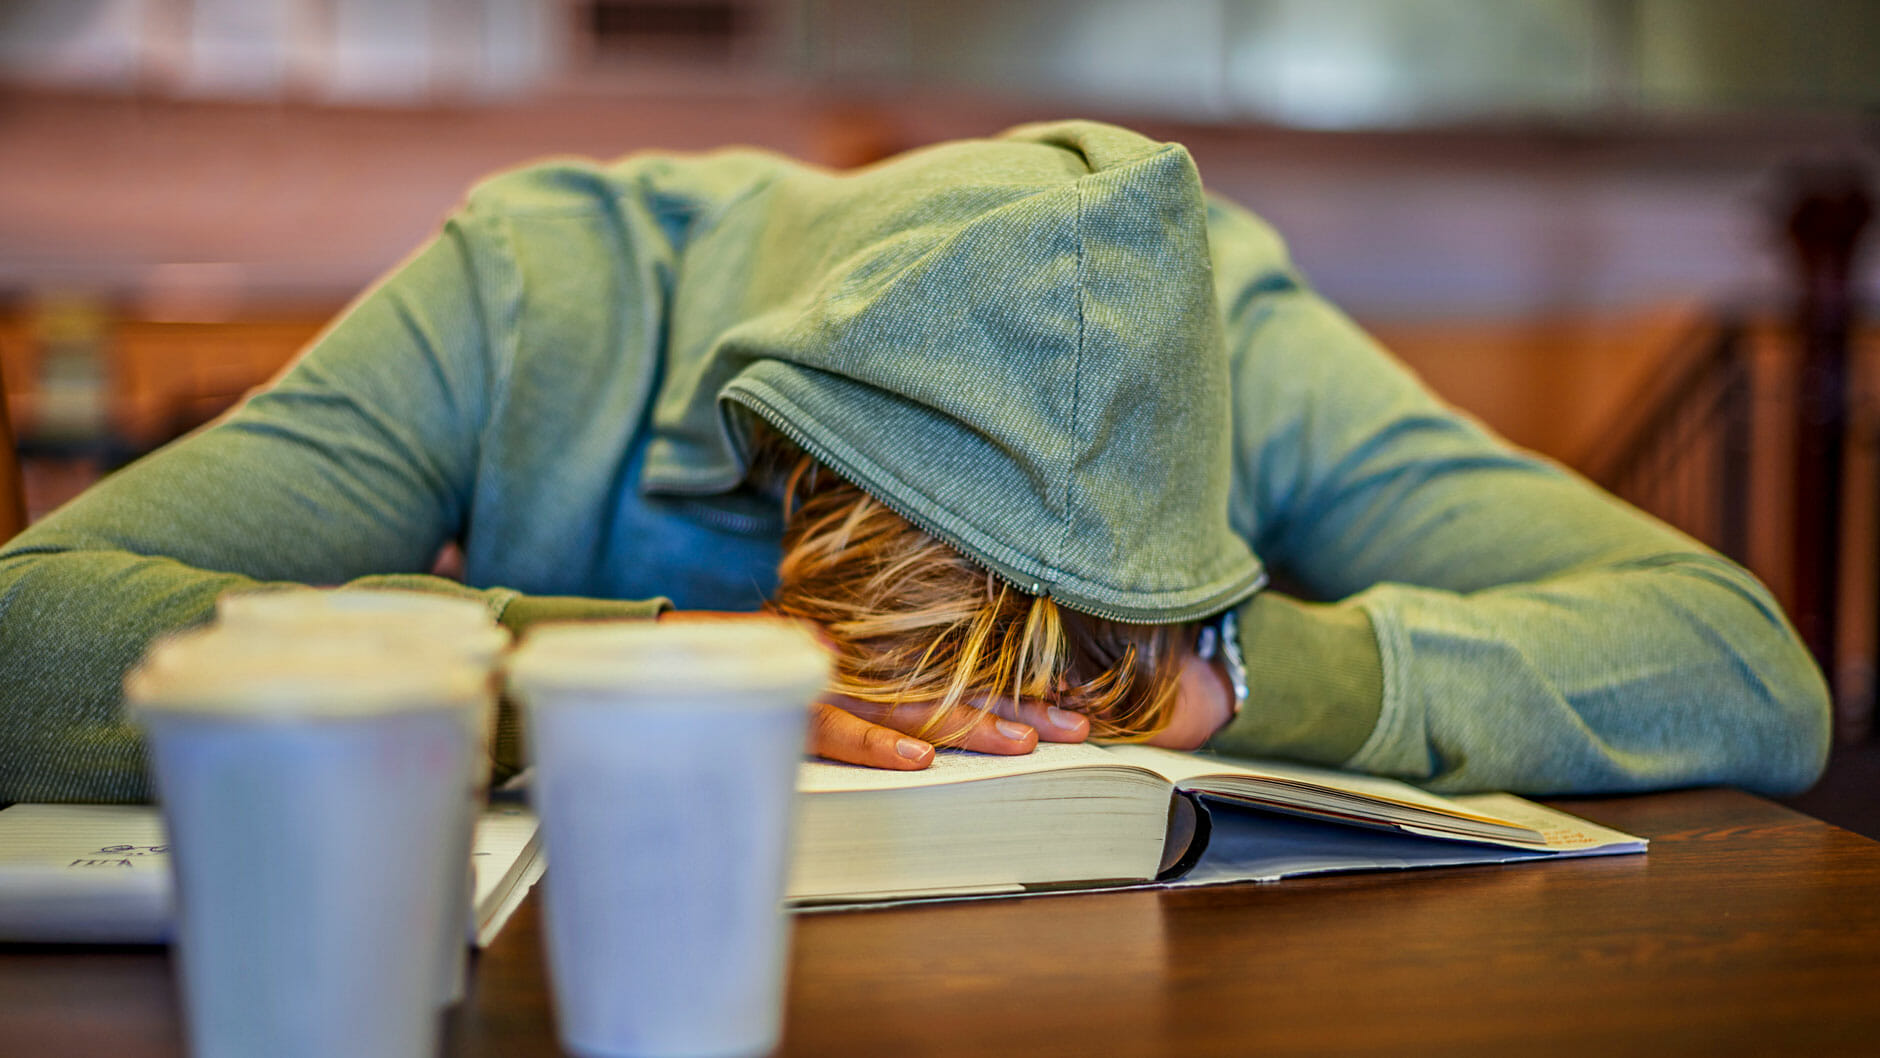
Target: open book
{"x":100,"y":874}
{"x":1083,"y":816}
{"x":1064,"y":817}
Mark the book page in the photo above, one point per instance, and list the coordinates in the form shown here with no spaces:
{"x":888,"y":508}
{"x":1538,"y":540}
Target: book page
{"x":84,"y":874}
{"x":1192,"y":770}
{"x":109,"y":838}
{"x":508,"y":862}
{"x":954,"y":766}
{"x":1561,"y":831}
{"x":1066,"y":813}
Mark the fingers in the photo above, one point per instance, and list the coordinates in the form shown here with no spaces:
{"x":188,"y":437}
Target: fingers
{"x":879,"y":736}
{"x":1051,"y":723}
{"x":989,"y":733}
{"x":962,"y":726}
{"x":887,"y":737}
{"x":838,"y":734}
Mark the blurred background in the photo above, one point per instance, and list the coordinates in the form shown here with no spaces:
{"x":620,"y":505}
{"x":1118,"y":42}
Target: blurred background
{"x":1625,"y":233}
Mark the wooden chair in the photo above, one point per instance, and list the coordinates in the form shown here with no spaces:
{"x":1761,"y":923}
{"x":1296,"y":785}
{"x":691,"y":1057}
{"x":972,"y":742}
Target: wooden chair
{"x":12,"y":492}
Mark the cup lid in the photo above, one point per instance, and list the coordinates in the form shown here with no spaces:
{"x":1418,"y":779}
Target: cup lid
{"x":402,"y":619}
{"x":303,"y":603}
{"x":212,"y":672}
{"x":480,"y":645}
{"x":690,"y":658}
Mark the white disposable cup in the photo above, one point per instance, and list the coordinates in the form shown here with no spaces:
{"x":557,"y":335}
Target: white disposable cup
{"x":407,"y":622}
{"x":665,"y":763}
{"x":311,"y":798}
{"x":296,"y":604}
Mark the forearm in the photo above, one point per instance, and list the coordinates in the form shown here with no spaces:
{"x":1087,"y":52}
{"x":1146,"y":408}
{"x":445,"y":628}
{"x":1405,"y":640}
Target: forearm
{"x":1496,"y":621}
{"x":354,"y":468}
{"x":1669,"y":672}
{"x":72,"y":623}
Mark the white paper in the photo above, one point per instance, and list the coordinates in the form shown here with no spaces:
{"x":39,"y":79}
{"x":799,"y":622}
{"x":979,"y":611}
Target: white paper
{"x":100,"y":873}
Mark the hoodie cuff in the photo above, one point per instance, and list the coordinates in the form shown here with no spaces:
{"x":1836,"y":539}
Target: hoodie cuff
{"x":525,"y":610}
{"x":1315,"y":681}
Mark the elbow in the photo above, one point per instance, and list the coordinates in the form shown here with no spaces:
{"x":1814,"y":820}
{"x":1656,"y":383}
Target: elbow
{"x":1789,"y":749}
{"x":1769,"y":714}
{"x":1780,"y":723}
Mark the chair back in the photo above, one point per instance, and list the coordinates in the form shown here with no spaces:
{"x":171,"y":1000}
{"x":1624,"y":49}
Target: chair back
{"x":12,"y":491}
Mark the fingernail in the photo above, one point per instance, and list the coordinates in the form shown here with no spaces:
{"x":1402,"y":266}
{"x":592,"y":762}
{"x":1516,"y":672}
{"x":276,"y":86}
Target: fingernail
{"x":1015,"y":732}
{"x":911,"y":749}
{"x":1061,"y":718}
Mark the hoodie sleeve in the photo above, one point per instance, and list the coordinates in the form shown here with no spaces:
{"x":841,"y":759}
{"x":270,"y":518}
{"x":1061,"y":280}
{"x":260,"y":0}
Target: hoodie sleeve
{"x":356,"y":466}
{"x":1482,"y":618}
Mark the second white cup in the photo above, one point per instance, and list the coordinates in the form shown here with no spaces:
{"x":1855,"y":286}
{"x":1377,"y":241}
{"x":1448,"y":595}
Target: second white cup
{"x":665,"y":763}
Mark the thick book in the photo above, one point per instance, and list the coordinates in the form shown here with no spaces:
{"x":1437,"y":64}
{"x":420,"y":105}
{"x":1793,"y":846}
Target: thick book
{"x":1070,"y":817}
{"x":972,"y":826}
{"x":100,"y":874}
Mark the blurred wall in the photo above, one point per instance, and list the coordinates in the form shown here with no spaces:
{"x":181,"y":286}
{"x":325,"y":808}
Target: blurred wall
{"x":1524,"y":197}
{"x":1533,"y":202}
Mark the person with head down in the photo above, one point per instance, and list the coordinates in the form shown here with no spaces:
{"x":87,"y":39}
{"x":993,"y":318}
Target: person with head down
{"x":1048,"y":442}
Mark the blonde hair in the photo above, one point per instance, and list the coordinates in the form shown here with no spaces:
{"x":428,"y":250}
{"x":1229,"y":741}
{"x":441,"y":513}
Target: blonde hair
{"x":914,"y":622}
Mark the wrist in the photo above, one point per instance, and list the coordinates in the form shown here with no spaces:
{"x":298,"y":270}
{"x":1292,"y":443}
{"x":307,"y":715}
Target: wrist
{"x":1219,"y":644}
{"x":1319,"y":670}
{"x":1203,"y":705}
{"x":1225,"y":703}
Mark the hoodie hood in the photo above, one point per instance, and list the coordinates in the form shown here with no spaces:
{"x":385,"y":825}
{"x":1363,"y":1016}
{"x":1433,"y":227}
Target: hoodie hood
{"x":1012,"y":342}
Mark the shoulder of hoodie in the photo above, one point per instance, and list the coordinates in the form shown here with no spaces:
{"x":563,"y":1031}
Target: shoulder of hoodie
{"x":661,"y":182}
{"x":1248,"y":253}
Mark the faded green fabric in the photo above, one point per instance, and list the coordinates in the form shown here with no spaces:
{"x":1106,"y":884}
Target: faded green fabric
{"x":1316,"y":681}
{"x":1050,"y":349}
{"x":974,"y":352}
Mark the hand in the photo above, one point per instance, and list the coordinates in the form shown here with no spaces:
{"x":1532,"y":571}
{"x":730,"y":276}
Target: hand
{"x":1203,"y":705}
{"x":879,"y":736}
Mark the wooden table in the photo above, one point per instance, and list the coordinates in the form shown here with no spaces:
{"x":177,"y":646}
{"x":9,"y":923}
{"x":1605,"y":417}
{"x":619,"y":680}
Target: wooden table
{"x":1748,"y":929}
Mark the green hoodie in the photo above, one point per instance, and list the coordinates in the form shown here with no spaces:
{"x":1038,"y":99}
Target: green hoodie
{"x":1002,"y":343}
{"x":1049,"y":349}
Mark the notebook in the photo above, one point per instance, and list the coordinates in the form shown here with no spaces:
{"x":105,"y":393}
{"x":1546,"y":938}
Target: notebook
{"x":100,"y":873}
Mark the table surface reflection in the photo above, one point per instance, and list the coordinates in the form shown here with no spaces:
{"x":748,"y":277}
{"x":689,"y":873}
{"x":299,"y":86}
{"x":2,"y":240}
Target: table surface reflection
{"x":1748,"y":929}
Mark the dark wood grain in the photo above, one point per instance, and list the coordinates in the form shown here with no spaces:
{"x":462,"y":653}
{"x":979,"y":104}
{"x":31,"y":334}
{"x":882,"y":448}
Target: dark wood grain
{"x":1748,"y":929}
